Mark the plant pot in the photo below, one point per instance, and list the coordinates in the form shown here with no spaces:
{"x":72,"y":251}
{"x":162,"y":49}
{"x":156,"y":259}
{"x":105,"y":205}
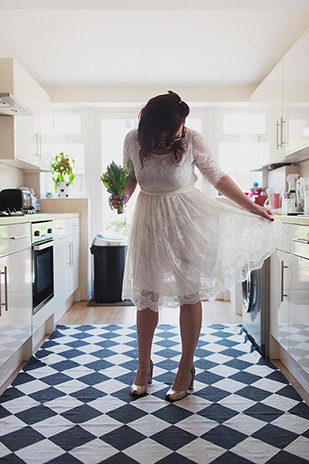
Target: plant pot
{"x":63,"y":189}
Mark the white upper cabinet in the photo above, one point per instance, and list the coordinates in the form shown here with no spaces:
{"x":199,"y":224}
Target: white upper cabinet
{"x":15,"y":80}
{"x":269,"y":96}
{"x":284,"y":97}
{"x":20,"y":141}
{"x":296,"y":97}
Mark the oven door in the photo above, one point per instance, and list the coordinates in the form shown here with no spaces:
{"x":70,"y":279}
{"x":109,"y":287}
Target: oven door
{"x":43,"y":274}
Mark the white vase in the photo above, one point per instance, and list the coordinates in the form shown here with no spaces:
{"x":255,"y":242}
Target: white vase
{"x":63,"y":189}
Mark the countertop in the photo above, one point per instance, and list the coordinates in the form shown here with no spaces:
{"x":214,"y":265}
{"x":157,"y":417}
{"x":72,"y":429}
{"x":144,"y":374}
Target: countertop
{"x":303,"y":219}
{"x":35,"y":217}
{"x":293,"y":219}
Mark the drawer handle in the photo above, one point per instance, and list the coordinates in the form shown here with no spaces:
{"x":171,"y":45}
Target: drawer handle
{"x":5,"y":289}
{"x":18,"y":237}
{"x":282,"y":271}
{"x":301,"y":240}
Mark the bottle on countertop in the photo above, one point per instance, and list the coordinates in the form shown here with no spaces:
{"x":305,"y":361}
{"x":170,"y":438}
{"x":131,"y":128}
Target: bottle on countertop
{"x":291,"y":180}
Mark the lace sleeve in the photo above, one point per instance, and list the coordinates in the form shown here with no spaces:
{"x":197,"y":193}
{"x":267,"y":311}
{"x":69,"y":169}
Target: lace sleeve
{"x":204,"y":160}
{"x":126,"y":154}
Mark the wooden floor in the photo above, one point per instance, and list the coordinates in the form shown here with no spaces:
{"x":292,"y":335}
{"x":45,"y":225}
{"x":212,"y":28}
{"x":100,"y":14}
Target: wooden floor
{"x":213,"y":312}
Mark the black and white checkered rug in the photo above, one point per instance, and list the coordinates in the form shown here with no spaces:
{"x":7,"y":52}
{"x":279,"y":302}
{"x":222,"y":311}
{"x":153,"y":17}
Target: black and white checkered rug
{"x":70,"y":403}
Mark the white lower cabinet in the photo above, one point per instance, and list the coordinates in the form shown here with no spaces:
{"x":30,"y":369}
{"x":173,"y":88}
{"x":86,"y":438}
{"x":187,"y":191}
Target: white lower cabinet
{"x":61,"y":285}
{"x":284,"y":294}
{"x":16,"y":302}
{"x":66,"y":262}
{"x":73,"y":263}
{"x":290,"y":302}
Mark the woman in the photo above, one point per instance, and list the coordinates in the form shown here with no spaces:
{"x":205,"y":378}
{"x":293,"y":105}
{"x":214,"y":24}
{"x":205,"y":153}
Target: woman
{"x":183,"y":246}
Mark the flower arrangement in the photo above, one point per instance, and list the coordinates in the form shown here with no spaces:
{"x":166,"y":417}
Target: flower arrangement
{"x":115,"y":180}
{"x":62,"y":169}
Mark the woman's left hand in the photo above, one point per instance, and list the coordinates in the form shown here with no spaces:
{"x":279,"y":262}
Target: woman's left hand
{"x":262,"y":211}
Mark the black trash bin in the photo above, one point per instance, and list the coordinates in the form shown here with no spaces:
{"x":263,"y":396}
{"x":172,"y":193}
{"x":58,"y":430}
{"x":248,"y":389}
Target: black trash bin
{"x":109,"y":260}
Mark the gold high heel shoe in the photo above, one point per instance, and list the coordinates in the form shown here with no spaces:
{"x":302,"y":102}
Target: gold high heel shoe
{"x":173,"y":395}
{"x":137,"y":390}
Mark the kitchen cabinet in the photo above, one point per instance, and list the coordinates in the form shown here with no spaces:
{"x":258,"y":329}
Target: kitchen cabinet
{"x":61,"y":283}
{"x":283,"y":310}
{"x":21,"y":139}
{"x":66,"y":262}
{"x":14,"y":79}
{"x":295,"y":95}
{"x":283,"y":96}
{"x":299,"y":312}
{"x":73,"y":254}
{"x":290,"y":300}
{"x":269,"y":96}
{"x":21,"y":143}
{"x":15,"y":290}
{"x":299,"y":297}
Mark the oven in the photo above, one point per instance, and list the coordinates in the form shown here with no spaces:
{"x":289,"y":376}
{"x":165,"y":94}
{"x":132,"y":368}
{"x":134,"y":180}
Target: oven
{"x":42,"y":264}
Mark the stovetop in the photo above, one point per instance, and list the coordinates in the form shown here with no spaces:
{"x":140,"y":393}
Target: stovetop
{"x":17,"y":212}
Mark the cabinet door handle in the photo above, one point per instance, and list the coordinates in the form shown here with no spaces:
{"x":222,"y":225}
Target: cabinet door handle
{"x":282,"y":272}
{"x":40,"y":145}
{"x":72,"y":253}
{"x":277,"y":130}
{"x":5,"y":288}
{"x":69,"y":245}
{"x":0,"y":293}
{"x":37,"y":144}
{"x":301,"y":240}
{"x":283,"y":122}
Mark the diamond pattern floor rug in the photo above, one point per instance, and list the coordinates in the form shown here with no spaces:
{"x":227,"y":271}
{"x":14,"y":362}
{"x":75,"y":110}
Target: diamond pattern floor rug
{"x":70,"y":403}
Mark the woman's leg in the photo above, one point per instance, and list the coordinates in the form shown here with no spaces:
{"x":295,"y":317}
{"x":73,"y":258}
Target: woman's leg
{"x":146,"y":321}
{"x":190,"y":319}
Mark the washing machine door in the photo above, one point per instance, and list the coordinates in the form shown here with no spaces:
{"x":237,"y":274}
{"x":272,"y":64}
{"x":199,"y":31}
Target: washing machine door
{"x":250,"y":292}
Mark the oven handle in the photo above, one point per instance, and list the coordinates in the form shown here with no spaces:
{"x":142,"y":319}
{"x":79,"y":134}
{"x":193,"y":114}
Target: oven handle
{"x":43,"y":245}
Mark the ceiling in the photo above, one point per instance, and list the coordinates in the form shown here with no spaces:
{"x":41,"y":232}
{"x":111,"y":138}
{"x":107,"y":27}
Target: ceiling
{"x":97,"y":42}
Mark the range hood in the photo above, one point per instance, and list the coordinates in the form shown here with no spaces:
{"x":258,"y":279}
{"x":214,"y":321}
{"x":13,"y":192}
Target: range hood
{"x":9,"y":106}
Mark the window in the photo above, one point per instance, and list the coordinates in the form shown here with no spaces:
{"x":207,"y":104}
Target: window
{"x":112,"y":133}
{"x":73,"y":150}
{"x":241,"y":146}
{"x":62,"y":132}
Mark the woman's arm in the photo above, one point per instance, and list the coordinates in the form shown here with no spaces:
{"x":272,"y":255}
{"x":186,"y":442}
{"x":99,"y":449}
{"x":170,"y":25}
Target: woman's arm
{"x":132,"y":182}
{"x":230,"y":189}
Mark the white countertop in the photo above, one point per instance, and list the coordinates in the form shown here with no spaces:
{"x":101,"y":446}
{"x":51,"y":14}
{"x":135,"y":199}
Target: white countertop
{"x":35,"y":217}
{"x":293,"y":219}
{"x":303,"y":219}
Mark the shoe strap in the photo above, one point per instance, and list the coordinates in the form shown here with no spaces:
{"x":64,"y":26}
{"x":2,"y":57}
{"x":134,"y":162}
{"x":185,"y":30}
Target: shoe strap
{"x":185,"y":370}
{"x":148,"y":365}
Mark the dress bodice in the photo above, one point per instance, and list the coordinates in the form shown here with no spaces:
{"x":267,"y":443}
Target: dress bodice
{"x":162,"y":173}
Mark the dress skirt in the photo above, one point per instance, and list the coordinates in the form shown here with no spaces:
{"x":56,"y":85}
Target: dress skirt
{"x":184,"y":247}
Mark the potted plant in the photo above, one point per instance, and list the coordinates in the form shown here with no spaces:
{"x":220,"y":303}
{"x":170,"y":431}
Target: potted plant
{"x":63,"y":176}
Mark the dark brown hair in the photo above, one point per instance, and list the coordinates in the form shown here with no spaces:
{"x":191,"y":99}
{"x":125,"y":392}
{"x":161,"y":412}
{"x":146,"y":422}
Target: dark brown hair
{"x":162,"y":114}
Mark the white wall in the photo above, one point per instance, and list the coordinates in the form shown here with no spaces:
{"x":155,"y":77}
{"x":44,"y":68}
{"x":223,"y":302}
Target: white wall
{"x":141,"y":94}
{"x":10,"y":177}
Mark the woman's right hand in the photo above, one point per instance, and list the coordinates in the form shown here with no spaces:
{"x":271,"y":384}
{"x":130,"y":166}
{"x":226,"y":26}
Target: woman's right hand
{"x":115,"y":201}
{"x":262,"y":211}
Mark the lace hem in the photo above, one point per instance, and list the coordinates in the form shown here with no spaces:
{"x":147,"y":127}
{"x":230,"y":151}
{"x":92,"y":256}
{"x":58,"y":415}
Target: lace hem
{"x":143,"y":299}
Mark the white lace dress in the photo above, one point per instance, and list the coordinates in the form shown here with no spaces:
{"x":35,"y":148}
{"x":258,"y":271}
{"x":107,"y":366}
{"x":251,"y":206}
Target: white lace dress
{"x":184,"y":246}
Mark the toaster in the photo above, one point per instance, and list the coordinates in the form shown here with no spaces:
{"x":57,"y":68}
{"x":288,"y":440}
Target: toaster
{"x":16,"y":198}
